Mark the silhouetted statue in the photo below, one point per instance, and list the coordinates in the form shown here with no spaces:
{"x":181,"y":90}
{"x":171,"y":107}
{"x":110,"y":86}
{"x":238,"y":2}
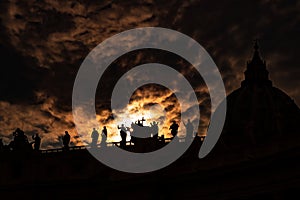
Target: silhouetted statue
{"x":104,"y":137}
{"x":94,"y":136}
{"x":189,"y":129}
{"x":174,"y":128}
{"x":66,"y":140}
{"x":20,"y":142}
{"x":140,"y":122}
{"x":162,"y":138}
{"x":1,"y":145}
{"x":123,"y":135}
{"x":37,"y":142}
{"x":154,"y":126}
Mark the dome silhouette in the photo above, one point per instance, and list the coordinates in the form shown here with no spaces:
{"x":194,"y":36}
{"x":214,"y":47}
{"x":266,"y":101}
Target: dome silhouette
{"x":257,"y":112}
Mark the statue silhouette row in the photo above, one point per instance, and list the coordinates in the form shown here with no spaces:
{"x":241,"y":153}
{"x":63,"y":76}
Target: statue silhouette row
{"x":137,"y":128}
{"x":21,"y":143}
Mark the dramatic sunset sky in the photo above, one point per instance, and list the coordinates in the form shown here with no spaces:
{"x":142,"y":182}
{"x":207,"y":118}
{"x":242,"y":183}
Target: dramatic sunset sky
{"x":43,"y":43}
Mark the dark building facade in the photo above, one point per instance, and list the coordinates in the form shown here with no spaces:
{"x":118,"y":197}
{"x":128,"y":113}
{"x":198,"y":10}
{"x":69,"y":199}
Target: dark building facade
{"x":257,"y":157}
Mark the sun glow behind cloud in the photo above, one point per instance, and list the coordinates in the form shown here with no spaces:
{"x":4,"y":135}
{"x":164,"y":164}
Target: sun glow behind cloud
{"x":152,"y":104}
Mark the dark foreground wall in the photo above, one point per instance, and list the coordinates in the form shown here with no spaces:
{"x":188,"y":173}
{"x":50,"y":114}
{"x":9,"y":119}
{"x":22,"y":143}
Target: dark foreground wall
{"x":77,"y":175}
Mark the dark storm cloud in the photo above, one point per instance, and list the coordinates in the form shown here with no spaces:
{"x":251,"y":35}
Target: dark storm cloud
{"x":45,"y":42}
{"x":227,"y":29}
